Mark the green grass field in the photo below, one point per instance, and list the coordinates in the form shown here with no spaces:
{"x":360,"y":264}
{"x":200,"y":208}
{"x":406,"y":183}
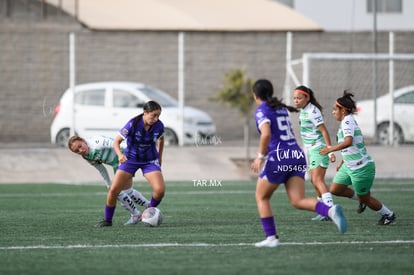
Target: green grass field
{"x":49,"y":229}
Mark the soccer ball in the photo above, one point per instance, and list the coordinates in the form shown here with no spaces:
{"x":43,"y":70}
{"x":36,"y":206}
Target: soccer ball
{"x":152,"y":217}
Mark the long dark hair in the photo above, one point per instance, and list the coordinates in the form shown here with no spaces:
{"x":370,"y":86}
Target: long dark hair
{"x":346,"y":102}
{"x":263,"y":89}
{"x":311,"y":94}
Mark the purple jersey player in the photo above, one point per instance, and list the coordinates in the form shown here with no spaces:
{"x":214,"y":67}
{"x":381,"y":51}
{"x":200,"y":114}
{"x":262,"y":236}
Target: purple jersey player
{"x":145,"y":143}
{"x":284,"y":163}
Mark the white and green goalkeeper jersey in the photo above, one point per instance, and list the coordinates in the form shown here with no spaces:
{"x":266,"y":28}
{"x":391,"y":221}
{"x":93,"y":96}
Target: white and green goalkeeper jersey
{"x":354,"y":156}
{"x":101,"y":152}
{"x":310,"y":118}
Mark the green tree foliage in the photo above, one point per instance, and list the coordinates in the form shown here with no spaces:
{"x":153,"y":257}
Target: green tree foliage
{"x":236,"y":92}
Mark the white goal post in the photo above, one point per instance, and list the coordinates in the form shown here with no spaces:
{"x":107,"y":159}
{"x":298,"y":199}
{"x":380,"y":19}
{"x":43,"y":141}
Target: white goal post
{"x":308,"y":58}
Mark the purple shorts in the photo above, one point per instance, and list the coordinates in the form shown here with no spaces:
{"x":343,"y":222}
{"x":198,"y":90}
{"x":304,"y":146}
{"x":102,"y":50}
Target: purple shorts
{"x":281,"y":165}
{"x":146,"y":167}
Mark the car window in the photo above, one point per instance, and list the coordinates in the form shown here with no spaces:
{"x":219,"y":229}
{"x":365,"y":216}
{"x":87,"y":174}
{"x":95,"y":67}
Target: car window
{"x":91,"y":97}
{"x":407,"y":98}
{"x":161,"y":97}
{"x":124,"y":99}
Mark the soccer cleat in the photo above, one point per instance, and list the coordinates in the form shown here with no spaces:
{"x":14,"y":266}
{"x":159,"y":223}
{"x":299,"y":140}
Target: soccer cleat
{"x":387,"y":219}
{"x":320,"y":218}
{"x":268,"y":242}
{"x":133,"y":220}
{"x":104,"y":223}
{"x":361,"y":207}
{"x":337,"y":216}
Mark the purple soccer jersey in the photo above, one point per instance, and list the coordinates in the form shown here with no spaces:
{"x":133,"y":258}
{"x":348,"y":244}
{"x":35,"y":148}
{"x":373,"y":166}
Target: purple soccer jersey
{"x":142,"y":144}
{"x":285,"y":158}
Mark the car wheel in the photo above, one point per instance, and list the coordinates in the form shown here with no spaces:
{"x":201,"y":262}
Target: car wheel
{"x":383,"y":134}
{"x":170,"y":138}
{"x":62,"y":137}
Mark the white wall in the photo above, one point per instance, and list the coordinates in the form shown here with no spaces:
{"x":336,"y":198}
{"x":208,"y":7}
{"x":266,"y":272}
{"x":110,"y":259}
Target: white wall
{"x":351,"y":15}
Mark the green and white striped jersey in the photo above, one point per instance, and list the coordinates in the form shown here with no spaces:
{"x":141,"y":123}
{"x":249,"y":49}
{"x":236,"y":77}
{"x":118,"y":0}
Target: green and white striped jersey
{"x":354,"y":156}
{"x":101,"y":151}
{"x":310,"y":118}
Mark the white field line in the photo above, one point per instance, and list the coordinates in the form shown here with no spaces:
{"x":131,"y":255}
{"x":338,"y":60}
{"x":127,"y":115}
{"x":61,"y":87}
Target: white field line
{"x":90,"y":246}
{"x":199,"y":191}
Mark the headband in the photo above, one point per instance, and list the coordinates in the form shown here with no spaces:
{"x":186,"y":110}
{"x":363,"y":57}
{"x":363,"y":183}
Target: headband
{"x":302,"y":92}
{"x":342,"y":106}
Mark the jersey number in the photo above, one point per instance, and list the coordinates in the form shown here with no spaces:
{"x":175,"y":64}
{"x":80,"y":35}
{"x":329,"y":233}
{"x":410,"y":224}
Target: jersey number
{"x":285,"y":127}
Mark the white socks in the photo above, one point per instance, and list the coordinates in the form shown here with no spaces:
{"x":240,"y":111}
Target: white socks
{"x":137,"y":197}
{"x":128,"y":204}
{"x":384,"y":211}
{"x":327,"y":199}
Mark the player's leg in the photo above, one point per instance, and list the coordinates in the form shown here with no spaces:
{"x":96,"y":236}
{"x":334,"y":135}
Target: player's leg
{"x":295,"y":188}
{"x":121,"y":181}
{"x":127,"y":202}
{"x":157,"y":183}
{"x":137,"y":197}
{"x":318,"y":179}
{"x":264,"y":191}
{"x":341,"y":182}
{"x":317,"y":168}
{"x":363,"y":179}
{"x":152,"y":172}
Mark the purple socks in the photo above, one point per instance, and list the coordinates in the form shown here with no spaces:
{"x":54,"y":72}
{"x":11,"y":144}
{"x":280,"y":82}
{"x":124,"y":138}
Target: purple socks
{"x":269,"y":226}
{"x":322,"y":209}
{"x":153,"y":202}
{"x":109,"y":212}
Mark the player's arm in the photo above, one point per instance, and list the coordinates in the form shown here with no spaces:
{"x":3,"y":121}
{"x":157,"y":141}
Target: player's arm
{"x":160,"y":148}
{"x":339,"y":165}
{"x":117,"y":147}
{"x":102,"y":171}
{"x":327,"y":139}
{"x":344,"y":144}
{"x":265,"y":134}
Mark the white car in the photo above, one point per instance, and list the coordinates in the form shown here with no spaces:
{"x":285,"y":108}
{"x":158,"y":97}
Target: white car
{"x":403,"y":116}
{"x":102,"y":108}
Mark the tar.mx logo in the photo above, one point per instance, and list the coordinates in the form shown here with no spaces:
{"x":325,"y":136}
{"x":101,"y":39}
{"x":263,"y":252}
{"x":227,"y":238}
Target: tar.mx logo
{"x":207,"y":183}
{"x":207,"y":140}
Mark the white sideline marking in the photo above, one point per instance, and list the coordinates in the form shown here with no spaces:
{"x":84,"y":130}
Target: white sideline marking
{"x":90,"y":246}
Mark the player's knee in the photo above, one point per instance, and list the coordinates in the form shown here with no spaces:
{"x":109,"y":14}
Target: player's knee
{"x":296,"y":204}
{"x":159,"y":189}
{"x":114,"y":193}
{"x":334,"y":190}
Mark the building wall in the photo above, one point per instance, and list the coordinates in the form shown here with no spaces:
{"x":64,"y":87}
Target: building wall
{"x":34,"y":67}
{"x":352,"y":15}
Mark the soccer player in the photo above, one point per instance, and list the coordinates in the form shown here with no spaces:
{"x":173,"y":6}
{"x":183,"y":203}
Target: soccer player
{"x":281,"y":161}
{"x":144,"y":135}
{"x":98,"y":151}
{"x":314,"y":137}
{"x":357,"y":168}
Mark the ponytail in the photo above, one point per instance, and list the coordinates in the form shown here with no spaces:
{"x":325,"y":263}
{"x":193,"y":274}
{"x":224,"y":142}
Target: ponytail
{"x":263,"y":89}
{"x":346,"y":102}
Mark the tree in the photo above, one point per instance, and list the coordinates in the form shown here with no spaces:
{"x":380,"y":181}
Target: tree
{"x":237,"y":93}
